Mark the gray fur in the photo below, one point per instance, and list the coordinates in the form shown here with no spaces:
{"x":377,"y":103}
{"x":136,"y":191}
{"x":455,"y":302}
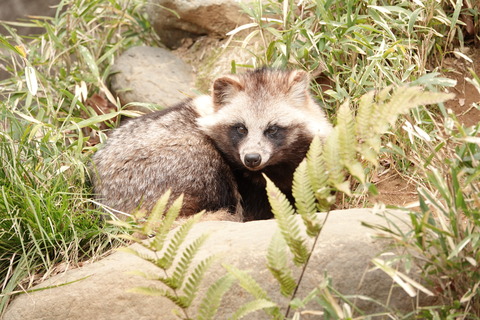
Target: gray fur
{"x":164,"y":150}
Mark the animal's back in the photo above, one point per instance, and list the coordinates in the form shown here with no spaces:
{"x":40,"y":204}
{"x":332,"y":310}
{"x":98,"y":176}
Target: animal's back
{"x":164,"y":150}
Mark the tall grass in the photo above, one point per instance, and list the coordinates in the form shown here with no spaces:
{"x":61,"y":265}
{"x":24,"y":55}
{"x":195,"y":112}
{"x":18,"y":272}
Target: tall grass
{"x":47,"y":125}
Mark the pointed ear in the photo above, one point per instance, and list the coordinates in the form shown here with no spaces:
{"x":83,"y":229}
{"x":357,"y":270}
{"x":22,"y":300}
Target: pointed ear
{"x":224,"y":89}
{"x":298,"y":86}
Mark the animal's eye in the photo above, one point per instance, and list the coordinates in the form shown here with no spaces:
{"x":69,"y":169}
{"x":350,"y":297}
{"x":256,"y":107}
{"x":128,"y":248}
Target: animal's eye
{"x":271,"y":131}
{"x":241,"y":129}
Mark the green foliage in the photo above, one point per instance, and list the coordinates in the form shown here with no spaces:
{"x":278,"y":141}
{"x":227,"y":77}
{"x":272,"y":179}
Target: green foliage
{"x":168,"y":251}
{"x":354,"y":45}
{"x":347,"y":144}
{"x":445,"y":237}
{"x":47,"y":133}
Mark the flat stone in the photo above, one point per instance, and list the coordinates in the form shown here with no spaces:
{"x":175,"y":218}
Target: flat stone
{"x":344,"y":251}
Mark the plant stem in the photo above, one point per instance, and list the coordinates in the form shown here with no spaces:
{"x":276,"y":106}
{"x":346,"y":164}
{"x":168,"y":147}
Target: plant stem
{"x":306,"y":264}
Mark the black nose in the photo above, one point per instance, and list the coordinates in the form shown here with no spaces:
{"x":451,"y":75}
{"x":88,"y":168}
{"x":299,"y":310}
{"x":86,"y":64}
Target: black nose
{"x":252,"y":160}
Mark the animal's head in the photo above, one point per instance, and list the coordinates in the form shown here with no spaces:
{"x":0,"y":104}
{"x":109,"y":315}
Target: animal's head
{"x":263,"y":117}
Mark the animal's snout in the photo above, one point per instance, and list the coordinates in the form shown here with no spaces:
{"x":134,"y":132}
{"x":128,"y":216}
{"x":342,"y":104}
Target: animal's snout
{"x":252,"y":160}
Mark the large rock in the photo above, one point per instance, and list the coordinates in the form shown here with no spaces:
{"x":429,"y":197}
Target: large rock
{"x":344,"y":250}
{"x":176,"y":20}
{"x":151,"y":75}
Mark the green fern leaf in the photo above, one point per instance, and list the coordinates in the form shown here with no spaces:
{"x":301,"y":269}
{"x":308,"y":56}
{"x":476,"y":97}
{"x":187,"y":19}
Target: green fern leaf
{"x":166,"y":225}
{"x":305,"y":201}
{"x":193,"y":281}
{"x":356,"y":169}
{"x":302,"y":190}
{"x":316,"y":171}
{"x":213,"y":297}
{"x":277,"y":264}
{"x":146,"y":275}
{"x":288,"y":225}
{"x":251,"y":286}
{"x":149,"y":291}
{"x":176,"y":241}
{"x":252,"y":306}
{"x":365,"y":117}
{"x":142,"y":256}
{"x":156,"y":216}
{"x":247,"y":282}
{"x":346,"y":134}
{"x":186,"y":260}
{"x":334,"y":167}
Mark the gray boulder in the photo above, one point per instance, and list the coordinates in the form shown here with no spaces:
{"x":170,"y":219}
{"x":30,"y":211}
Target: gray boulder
{"x":151,"y":75}
{"x":176,"y":20}
{"x":344,"y":251}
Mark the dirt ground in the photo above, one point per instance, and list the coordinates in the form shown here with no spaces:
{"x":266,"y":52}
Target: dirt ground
{"x":393,"y":188}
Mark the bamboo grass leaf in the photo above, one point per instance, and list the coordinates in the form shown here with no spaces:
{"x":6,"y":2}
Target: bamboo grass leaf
{"x":213,"y":297}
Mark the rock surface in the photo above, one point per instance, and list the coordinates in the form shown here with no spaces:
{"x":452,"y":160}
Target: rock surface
{"x":151,"y":75}
{"x":176,"y":20}
{"x":344,"y":250}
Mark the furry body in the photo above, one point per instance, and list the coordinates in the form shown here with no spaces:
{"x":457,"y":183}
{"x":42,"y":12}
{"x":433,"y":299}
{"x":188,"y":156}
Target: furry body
{"x":215,"y":149}
{"x":163,"y":150}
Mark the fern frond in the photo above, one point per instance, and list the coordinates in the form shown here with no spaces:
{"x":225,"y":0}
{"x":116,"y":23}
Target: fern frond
{"x":166,"y":225}
{"x":146,"y":275}
{"x":346,"y":134}
{"x":211,"y":302}
{"x":186,"y":260}
{"x":252,"y":306}
{"x":334,"y":167}
{"x":142,"y":256}
{"x":247,"y":282}
{"x":288,"y":225}
{"x":156,"y":216}
{"x":251,"y":286}
{"x":305,"y":201}
{"x":149,"y":291}
{"x":277,"y":264}
{"x":302,"y":190}
{"x":356,"y":169}
{"x":176,"y":241}
{"x":193,"y":281}
{"x":376,"y":113}
{"x":316,"y":170}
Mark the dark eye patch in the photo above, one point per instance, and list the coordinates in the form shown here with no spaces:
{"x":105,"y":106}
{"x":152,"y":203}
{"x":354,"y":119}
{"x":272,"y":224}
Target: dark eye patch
{"x":276,"y":134}
{"x":237,"y":132}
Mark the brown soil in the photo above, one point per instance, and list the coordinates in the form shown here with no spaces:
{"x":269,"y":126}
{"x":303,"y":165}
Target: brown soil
{"x":393,"y":187}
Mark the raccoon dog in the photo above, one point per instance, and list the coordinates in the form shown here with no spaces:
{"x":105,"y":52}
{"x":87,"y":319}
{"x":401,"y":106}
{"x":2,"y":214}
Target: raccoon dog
{"x":214,"y":149}
{"x":263,"y":122}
